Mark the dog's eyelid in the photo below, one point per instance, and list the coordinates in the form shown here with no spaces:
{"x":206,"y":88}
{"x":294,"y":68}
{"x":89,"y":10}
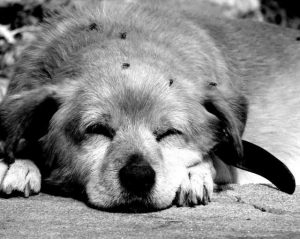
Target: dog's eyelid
{"x":101,"y":129}
{"x":163,"y":134}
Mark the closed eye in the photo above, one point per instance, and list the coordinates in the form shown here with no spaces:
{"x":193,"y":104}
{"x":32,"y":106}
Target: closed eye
{"x":100,"y":129}
{"x":170,"y":132}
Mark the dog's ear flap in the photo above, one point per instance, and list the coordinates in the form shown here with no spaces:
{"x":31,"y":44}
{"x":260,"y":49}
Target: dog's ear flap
{"x":229,"y":128}
{"x":242,"y":154}
{"x":26,"y":115}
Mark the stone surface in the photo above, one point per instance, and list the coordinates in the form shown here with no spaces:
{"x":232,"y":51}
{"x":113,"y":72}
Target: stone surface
{"x":248,"y":211}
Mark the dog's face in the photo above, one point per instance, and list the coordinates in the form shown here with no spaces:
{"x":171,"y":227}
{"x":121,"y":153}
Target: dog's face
{"x":128,"y":135}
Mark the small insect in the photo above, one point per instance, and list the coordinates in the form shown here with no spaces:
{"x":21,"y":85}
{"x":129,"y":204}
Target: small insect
{"x":123,"y":35}
{"x":212,"y":84}
{"x":125,"y":65}
{"x":93,"y":26}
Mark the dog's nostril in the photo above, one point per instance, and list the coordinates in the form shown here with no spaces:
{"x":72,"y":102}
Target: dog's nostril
{"x":137,"y":176}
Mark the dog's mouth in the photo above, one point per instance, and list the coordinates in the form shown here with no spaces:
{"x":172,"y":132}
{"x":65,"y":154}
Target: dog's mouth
{"x":137,"y":203}
{"x":133,"y":204}
{"x":135,"y":207}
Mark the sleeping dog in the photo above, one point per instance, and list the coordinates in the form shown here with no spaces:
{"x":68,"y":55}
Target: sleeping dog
{"x":140,"y":107}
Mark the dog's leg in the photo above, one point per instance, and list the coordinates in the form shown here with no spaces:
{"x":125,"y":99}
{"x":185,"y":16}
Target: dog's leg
{"x":197,"y":187}
{"x":22,"y":177}
{"x":24,"y":120}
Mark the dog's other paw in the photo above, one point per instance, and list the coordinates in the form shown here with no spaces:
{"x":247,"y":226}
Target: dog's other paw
{"x":22,"y":177}
{"x":197,"y":186}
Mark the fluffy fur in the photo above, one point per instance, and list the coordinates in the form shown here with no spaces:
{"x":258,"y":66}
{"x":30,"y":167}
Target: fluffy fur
{"x":144,"y":88}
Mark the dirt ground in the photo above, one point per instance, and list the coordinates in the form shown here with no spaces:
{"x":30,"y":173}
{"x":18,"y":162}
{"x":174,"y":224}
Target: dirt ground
{"x":252,"y":211}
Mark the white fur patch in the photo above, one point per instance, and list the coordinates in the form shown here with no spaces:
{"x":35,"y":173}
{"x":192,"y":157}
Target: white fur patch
{"x":194,"y":179}
{"x":187,"y":156}
{"x":197,"y":186}
{"x":22,"y":176}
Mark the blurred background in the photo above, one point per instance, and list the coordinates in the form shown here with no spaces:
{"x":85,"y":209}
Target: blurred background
{"x":19,"y":20}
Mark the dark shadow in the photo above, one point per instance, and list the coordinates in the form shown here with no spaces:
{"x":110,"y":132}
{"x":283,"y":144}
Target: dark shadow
{"x":222,"y":187}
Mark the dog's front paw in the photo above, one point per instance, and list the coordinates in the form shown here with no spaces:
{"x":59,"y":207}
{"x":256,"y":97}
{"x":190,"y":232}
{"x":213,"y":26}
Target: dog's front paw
{"x":22,"y":177}
{"x":197,"y":186}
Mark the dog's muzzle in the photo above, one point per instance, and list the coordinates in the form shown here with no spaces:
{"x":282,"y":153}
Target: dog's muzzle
{"x":137,"y":176}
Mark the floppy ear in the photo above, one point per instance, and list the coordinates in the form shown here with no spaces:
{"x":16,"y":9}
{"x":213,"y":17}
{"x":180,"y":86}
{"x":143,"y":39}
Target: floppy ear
{"x":26,"y":115}
{"x":229,"y":127}
{"x":240,"y":153}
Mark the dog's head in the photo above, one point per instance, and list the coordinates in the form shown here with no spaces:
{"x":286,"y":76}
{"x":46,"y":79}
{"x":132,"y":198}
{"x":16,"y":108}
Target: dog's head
{"x":120,"y":114}
{"x":124,"y":134}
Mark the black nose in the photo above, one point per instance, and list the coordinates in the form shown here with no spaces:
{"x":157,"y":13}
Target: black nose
{"x":137,"y":176}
